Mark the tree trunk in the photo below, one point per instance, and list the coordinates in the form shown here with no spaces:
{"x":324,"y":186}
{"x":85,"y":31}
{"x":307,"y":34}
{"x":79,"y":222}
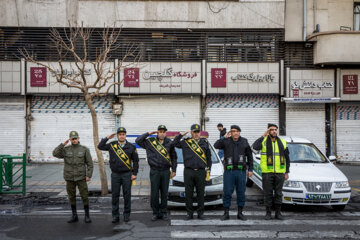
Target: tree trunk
{"x":102,"y":172}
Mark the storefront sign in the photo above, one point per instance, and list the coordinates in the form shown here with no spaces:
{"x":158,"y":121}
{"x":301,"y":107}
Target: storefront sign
{"x":131,"y":77}
{"x":254,"y":77}
{"x":309,"y":84}
{"x":162,"y":77}
{"x":218,"y":77}
{"x":167,"y":73}
{"x":71,"y":72}
{"x":350,"y":84}
{"x":38,"y":77}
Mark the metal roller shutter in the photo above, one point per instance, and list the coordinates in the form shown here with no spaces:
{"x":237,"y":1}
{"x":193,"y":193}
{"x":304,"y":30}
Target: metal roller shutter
{"x":307,"y":121}
{"x":146,"y":113}
{"x":13,"y":126}
{"x":251,"y":112}
{"x":55,"y":117}
{"x":348,"y":131}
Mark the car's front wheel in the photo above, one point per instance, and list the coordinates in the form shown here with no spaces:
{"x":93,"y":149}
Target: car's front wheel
{"x":338,"y":207}
{"x":249,"y":183}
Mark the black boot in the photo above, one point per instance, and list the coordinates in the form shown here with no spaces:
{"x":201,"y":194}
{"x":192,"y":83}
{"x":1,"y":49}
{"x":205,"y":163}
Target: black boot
{"x":268,"y":213}
{"x":87,"y":214}
{"x":278,"y":212}
{"x":240,"y":215}
{"x":226,"y":215}
{"x":74,"y":217}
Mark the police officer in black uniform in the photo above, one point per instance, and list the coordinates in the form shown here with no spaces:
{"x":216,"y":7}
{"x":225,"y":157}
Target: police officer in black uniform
{"x":197,"y":162}
{"x":161,"y":156}
{"x":238,"y":158}
{"x":124,"y":164}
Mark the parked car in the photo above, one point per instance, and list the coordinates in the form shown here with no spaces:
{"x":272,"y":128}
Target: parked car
{"x":213,"y":188}
{"x":313,"y":178}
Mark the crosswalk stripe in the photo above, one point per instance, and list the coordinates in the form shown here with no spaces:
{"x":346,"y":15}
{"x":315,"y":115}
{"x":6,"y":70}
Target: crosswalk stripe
{"x":265,"y":234}
{"x":255,"y":222}
{"x":286,"y":214}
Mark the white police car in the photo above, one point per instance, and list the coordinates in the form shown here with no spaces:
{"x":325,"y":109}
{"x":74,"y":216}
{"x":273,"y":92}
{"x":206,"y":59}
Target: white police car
{"x":313,"y":178}
{"x":213,"y":188}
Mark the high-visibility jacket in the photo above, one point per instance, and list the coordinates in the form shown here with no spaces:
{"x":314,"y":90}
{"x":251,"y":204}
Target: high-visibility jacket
{"x":276,"y":167}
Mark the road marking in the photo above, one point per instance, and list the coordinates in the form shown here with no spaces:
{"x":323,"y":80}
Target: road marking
{"x":286,"y":214}
{"x":265,"y":234}
{"x":356,"y":189}
{"x":255,"y":222}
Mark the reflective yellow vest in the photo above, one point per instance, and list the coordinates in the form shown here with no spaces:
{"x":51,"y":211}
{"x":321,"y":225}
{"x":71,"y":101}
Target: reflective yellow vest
{"x":276,"y":167}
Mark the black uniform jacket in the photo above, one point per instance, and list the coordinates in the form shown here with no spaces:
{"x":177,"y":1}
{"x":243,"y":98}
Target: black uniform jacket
{"x":191,"y":159}
{"x":116,"y":164}
{"x":243,"y":149}
{"x":154,"y":158}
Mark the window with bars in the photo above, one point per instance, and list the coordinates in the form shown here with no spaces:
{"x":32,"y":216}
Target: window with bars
{"x":253,"y":46}
{"x":177,"y":45}
{"x":357,"y":16}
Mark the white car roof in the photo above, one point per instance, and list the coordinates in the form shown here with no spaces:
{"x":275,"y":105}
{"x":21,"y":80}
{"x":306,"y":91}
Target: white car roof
{"x":290,"y":139}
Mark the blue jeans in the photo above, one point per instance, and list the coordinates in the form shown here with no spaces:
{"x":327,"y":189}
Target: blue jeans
{"x":234,"y":178}
{"x":221,"y":153}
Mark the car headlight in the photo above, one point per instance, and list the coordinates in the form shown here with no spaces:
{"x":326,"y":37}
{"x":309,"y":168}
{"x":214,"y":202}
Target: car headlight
{"x":342,"y":184}
{"x":292,"y":184}
{"x":217,"y":180}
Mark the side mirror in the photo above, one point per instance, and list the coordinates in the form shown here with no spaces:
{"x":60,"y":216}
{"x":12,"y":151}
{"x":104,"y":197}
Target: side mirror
{"x":332,"y":158}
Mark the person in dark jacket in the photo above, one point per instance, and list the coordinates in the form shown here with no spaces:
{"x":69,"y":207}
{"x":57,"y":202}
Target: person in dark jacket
{"x":161,"y":156}
{"x":275,"y":167}
{"x":222,"y":131}
{"x":238,"y":158}
{"x":197,"y":163}
{"x":124,"y":164}
{"x":78,"y":169}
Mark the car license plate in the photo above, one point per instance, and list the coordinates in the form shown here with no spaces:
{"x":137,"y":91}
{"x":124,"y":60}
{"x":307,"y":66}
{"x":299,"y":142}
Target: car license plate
{"x":318,"y":196}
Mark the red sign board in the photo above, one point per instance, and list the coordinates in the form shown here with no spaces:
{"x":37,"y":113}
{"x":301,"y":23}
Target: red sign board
{"x":351,"y":84}
{"x":37,"y":77}
{"x":131,"y":77}
{"x":295,"y":92}
{"x":218,"y":77}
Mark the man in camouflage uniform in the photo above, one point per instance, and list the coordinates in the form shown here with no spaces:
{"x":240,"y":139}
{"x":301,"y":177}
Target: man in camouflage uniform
{"x":78,"y":169}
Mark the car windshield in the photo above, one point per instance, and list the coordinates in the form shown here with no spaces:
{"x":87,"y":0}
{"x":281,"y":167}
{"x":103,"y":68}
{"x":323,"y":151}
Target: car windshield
{"x":180,"y":158}
{"x":305,"y":153}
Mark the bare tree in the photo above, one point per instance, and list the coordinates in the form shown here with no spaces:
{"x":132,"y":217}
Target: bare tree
{"x":73,"y":44}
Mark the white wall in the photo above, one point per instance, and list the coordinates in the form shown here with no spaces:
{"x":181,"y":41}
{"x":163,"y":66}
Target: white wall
{"x":144,"y":14}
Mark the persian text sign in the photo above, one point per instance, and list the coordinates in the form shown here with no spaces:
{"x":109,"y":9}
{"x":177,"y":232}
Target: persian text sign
{"x":218,"y":77}
{"x":351,"y":84}
{"x":38,"y":77}
{"x":131,"y":77}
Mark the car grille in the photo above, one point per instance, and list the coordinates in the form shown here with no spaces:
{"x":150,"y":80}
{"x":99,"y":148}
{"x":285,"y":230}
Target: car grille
{"x":318,"y":186}
{"x":303,"y":200}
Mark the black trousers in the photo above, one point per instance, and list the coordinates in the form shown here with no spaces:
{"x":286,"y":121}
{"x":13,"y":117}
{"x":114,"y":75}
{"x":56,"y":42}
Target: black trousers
{"x":159,"y":185}
{"x":119,"y":180}
{"x":272,"y":187}
{"x":194,"y":178}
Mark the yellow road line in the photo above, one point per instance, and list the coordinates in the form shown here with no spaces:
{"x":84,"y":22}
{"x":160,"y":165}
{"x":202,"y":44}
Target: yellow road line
{"x":356,"y":189}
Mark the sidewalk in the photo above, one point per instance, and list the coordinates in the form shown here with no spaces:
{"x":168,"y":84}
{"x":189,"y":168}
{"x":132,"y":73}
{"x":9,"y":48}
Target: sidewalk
{"x":49,"y":178}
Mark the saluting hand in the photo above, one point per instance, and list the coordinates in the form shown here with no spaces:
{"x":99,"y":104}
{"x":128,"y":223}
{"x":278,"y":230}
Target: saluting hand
{"x":184,"y":133}
{"x":111,"y":136}
{"x":152,"y":133}
{"x":228,"y":134}
{"x":266,"y":133}
{"x":67,"y":141}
